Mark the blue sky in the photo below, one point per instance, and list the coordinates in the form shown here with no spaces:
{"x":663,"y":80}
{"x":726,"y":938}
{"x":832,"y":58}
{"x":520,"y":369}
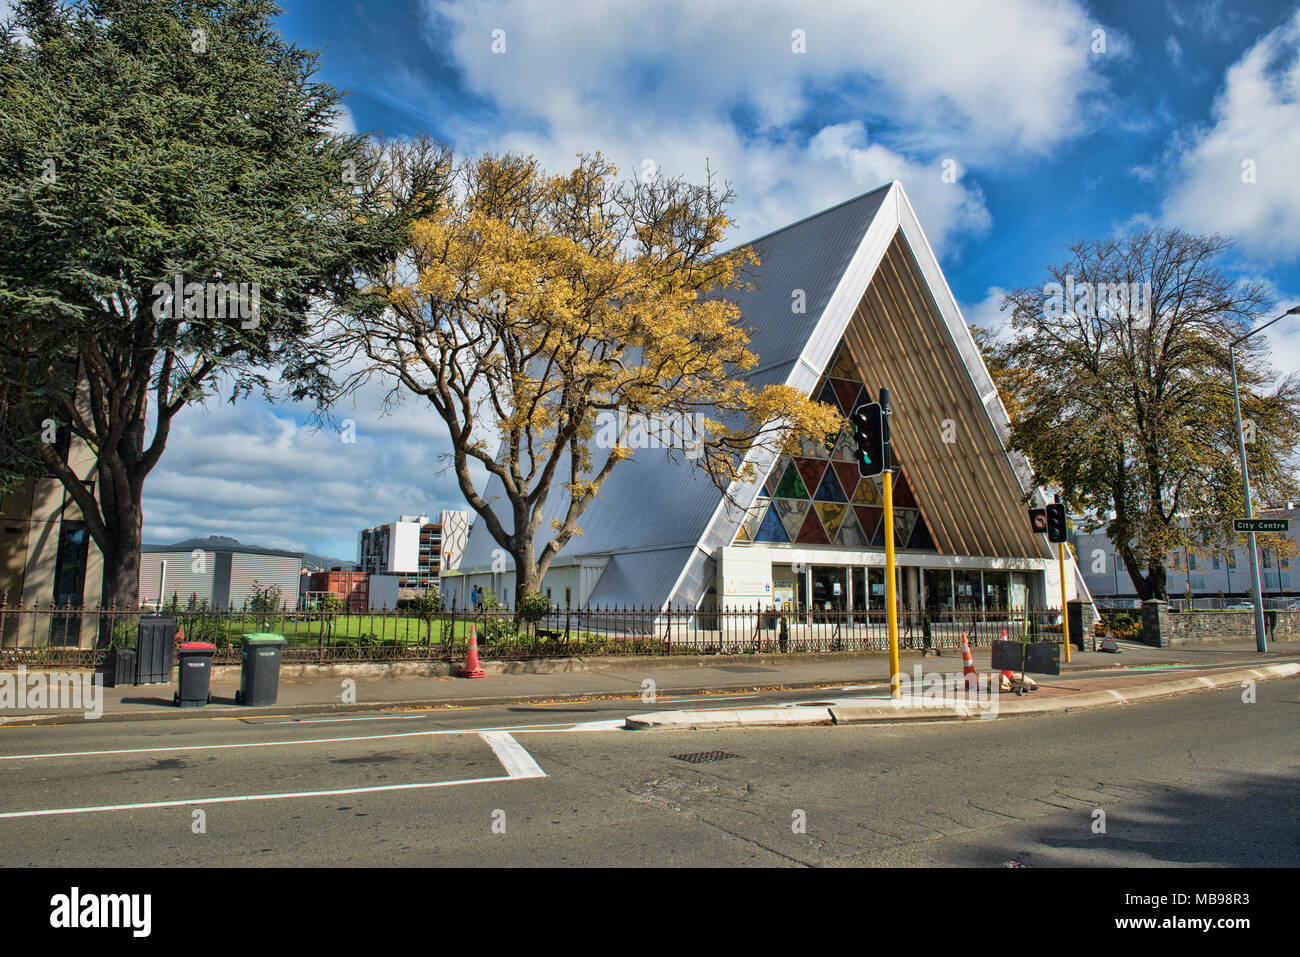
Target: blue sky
{"x":1064,"y":120}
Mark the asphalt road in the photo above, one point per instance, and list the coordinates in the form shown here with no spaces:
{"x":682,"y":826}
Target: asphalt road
{"x":1202,"y":779}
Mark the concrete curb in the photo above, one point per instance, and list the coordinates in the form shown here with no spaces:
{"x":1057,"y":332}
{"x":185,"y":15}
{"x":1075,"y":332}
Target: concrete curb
{"x":165,"y":713}
{"x":888,"y":713}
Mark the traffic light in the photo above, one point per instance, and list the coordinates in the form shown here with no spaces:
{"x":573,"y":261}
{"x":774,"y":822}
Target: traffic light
{"x":869,"y":429}
{"x":1056,"y":523}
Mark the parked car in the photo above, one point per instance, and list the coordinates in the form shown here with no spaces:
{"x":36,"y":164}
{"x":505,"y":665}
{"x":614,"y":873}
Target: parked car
{"x":1241,"y":606}
{"x":1294,"y":606}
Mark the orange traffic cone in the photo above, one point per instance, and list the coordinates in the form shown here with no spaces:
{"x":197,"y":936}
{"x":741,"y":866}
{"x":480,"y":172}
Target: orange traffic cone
{"x":472,"y":669}
{"x":968,"y":665}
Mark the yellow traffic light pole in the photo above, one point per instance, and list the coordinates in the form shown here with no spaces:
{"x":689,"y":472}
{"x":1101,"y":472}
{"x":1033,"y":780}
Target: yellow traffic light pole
{"x":1065,"y":608}
{"x":891,"y":592}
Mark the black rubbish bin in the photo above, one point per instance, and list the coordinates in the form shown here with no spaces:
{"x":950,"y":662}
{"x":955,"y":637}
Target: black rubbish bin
{"x":121,"y":669}
{"x":195,"y":673}
{"x":154,"y":646}
{"x":259,"y":679}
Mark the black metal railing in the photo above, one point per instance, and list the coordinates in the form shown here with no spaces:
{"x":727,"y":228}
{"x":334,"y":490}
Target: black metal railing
{"x":41,"y":635}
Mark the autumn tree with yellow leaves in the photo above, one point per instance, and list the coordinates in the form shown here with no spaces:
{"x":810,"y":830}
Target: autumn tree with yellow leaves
{"x":533,"y":309}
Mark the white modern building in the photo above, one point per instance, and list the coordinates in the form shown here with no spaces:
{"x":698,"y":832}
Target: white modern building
{"x":877,"y":312}
{"x":413,"y":548}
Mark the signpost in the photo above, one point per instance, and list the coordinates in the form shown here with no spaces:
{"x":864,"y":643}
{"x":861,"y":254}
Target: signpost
{"x":1261,"y":525}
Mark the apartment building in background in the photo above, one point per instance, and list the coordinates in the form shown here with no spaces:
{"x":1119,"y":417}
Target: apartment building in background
{"x":413,"y":549}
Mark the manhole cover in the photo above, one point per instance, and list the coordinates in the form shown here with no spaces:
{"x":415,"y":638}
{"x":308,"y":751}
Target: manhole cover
{"x":699,"y":757}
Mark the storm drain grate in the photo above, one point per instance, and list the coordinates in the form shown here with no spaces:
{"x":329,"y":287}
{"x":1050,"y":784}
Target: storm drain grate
{"x":699,"y":757}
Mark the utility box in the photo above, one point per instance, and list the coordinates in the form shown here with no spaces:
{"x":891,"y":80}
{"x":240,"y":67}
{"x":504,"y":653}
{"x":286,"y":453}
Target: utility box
{"x":155,"y":648}
{"x":195,"y":680}
{"x":259,"y":679}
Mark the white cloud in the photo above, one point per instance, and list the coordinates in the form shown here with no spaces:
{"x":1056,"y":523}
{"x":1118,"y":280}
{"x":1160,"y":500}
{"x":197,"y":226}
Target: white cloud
{"x":344,"y":124}
{"x":257,"y":473}
{"x":1256,"y":131}
{"x":677,"y":81}
{"x":987,"y":313}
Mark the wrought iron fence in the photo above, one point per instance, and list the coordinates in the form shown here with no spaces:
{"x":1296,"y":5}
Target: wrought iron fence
{"x":40,"y":635}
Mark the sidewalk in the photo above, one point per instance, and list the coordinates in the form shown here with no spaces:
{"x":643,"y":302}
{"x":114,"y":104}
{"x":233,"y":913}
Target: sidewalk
{"x":615,"y":678}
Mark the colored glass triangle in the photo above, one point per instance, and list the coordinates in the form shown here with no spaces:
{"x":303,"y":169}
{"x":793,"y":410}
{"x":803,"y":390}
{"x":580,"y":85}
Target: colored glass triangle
{"x":904,"y":522}
{"x":847,"y":472}
{"x":903,"y":497}
{"x":771,"y":529}
{"x":846,"y":450}
{"x":792,"y":512}
{"x":869,"y":518}
{"x":921,"y":539}
{"x":828,"y":395}
{"x":831,"y":513}
{"x":749,"y":525}
{"x":850,"y":532}
{"x":812,"y":532}
{"x":829,"y":490}
{"x":843,"y":367}
{"x":791,"y":485}
{"x":847,"y":392}
{"x":811,"y":471}
{"x":867,"y":492}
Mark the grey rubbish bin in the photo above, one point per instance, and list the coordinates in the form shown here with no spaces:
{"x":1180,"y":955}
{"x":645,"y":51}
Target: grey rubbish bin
{"x":195,"y":673}
{"x":259,"y":678}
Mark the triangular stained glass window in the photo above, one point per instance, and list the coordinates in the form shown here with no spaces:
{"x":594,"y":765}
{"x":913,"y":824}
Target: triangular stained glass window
{"x":811,"y":471}
{"x":847,"y":472}
{"x":843,"y":367}
{"x":829,"y":489}
{"x":831,"y":514}
{"x":828,"y":395}
{"x":921,"y":539}
{"x":867,"y":492}
{"x":791,"y":485}
{"x":847,"y":392}
{"x":869,"y":518}
{"x":752,"y":520}
{"x":850,"y":533}
{"x":771,"y":529}
{"x":812,"y":532}
{"x":792,"y":512}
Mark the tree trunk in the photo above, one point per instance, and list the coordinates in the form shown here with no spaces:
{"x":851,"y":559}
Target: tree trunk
{"x":121,"y":588}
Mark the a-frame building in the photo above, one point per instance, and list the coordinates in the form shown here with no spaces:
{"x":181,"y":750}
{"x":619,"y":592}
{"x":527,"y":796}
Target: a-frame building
{"x":842,"y":303}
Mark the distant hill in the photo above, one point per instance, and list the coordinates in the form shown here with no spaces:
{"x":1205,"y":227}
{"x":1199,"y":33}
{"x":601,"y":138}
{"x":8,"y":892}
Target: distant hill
{"x":310,"y":561}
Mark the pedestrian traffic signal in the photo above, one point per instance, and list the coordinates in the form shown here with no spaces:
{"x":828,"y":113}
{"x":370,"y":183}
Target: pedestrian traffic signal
{"x":869,"y":428}
{"x":1056,"y":523}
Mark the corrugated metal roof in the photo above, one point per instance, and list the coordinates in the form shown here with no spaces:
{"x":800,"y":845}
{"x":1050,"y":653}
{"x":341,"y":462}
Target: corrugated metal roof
{"x":639,"y":579}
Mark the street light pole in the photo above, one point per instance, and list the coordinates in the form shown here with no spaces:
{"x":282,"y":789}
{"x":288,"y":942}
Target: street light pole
{"x":1261,"y":643}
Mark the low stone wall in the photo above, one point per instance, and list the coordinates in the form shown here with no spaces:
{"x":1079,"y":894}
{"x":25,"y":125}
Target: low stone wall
{"x":1165,"y":629}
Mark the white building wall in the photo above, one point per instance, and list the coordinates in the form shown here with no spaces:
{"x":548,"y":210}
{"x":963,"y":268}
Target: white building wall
{"x":383,"y":592}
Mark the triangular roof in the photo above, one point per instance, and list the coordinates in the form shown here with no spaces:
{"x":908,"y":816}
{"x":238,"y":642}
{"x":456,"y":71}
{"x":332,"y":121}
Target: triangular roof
{"x":869,"y":279}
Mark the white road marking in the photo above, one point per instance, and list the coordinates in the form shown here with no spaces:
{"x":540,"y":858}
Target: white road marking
{"x":252,"y":797}
{"x":279,"y":744}
{"x":517,"y":762}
